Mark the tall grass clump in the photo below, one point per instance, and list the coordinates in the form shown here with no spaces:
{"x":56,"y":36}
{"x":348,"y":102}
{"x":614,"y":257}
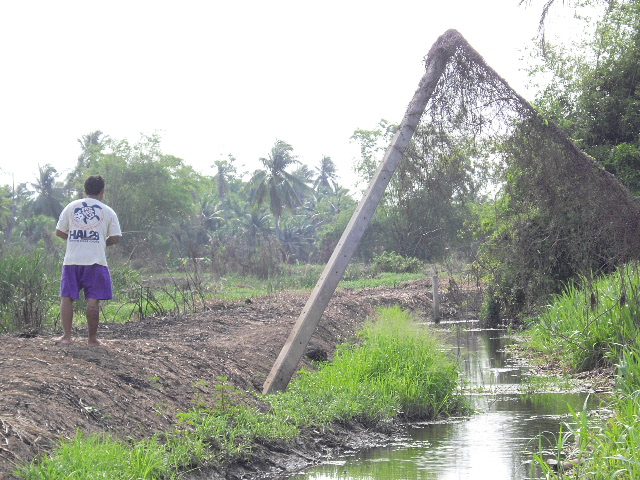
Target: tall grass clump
{"x":609,"y":448}
{"x":98,"y":456}
{"x":29,"y":279}
{"x":591,"y":326}
{"x":297,"y":276}
{"x":396,"y":370}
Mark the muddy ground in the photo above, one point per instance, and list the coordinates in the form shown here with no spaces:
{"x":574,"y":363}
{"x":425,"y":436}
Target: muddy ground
{"x":157,"y":367}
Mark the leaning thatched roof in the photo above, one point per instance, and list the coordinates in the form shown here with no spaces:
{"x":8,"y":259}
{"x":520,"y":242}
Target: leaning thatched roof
{"x":591,"y":218}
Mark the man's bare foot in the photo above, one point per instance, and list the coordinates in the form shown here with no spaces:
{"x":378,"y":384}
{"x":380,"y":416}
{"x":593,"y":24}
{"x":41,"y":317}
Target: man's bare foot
{"x":64,"y":340}
{"x":97,"y":343}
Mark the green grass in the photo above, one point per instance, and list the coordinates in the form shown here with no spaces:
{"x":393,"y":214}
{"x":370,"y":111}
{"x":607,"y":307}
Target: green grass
{"x":100,"y":456}
{"x":384,"y":279}
{"x":607,"y":449}
{"x":182,"y":292}
{"x":396,"y":370}
{"x":29,"y":286}
{"x":301,"y":278}
{"x":590,"y":327}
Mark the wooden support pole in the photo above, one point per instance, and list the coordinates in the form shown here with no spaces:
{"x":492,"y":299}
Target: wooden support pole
{"x":290,"y":355}
{"x":436,"y":298}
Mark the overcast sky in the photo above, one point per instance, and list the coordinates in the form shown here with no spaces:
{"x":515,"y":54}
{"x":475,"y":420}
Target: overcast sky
{"x":227,"y":77}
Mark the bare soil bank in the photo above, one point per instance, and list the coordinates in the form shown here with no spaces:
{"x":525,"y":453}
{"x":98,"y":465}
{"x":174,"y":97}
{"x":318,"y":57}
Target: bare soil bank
{"x":155,"y":368}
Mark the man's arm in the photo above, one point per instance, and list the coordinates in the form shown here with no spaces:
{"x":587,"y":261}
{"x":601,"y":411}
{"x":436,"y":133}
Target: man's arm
{"x":61,"y":234}
{"x":113,"y":239}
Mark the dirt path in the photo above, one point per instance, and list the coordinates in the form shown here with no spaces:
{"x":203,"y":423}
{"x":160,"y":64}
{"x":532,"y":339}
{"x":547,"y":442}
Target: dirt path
{"x":156,"y":367}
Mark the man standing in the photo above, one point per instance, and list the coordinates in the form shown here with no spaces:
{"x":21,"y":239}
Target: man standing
{"x":88,"y":226}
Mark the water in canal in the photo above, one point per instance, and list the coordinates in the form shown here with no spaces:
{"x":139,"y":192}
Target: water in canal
{"x":496,"y":443}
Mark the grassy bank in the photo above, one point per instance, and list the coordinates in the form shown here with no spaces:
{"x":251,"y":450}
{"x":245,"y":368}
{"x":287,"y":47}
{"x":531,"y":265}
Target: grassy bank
{"x":395,"y":371}
{"x":592,"y":327}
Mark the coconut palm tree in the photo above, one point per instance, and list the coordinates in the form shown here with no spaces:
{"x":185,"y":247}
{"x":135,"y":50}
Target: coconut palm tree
{"x":326,"y":180}
{"x":282,"y":190}
{"x":49,"y":197}
{"x":252,"y":221}
{"x":225,"y":171}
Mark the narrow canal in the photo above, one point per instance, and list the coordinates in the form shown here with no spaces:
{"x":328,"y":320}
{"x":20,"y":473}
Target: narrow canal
{"x":512,"y":421}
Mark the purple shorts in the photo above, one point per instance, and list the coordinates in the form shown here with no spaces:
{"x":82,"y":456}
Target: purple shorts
{"x":94,"y":279}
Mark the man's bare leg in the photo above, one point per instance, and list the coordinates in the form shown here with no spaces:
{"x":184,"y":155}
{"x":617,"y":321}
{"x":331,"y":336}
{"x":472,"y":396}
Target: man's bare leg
{"x":93,"y":317}
{"x":66,"y":315}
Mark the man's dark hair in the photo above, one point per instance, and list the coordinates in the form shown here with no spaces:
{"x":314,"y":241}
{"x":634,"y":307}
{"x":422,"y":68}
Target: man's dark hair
{"x":94,"y":185}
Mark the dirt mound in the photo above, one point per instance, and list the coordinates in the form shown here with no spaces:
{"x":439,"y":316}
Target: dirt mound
{"x":156,"y":367}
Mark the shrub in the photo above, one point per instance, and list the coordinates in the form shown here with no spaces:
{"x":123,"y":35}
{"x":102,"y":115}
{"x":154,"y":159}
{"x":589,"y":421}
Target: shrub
{"x":395,"y":263}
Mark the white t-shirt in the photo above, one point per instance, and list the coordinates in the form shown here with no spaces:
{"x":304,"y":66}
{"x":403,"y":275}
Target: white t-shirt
{"x":88,"y":222}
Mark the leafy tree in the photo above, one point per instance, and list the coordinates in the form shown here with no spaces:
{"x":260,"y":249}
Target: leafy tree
{"x":334,"y":213}
{"x":225,"y":172}
{"x":304,"y":173}
{"x":91,"y":144}
{"x":152,"y":192}
{"x":281,"y":189}
{"x":333,"y":204}
{"x":426,"y":204}
{"x":253,"y":221}
{"x":20,"y":198}
{"x":6,"y":210}
{"x":224,"y":180}
{"x":212,"y":215}
{"x":594,"y":92}
{"x":373,"y":144}
{"x":298,"y":237}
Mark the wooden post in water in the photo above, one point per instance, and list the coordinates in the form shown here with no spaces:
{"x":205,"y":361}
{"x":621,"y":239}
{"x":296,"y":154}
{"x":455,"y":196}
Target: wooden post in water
{"x":292,"y":352}
{"x":436,"y":299}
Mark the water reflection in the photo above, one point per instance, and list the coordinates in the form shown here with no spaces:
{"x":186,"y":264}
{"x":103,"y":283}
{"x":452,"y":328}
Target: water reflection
{"x":496,"y":443}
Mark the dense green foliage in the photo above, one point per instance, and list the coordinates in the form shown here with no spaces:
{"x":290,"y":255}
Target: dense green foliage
{"x":169,"y":212}
{"x":283,"y":189}
{"x":427,"y":206}
{"x":396,"y":370}
{"x":593,"y":92}
{"x":600,"y":326}
{"x":393,"y":262}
